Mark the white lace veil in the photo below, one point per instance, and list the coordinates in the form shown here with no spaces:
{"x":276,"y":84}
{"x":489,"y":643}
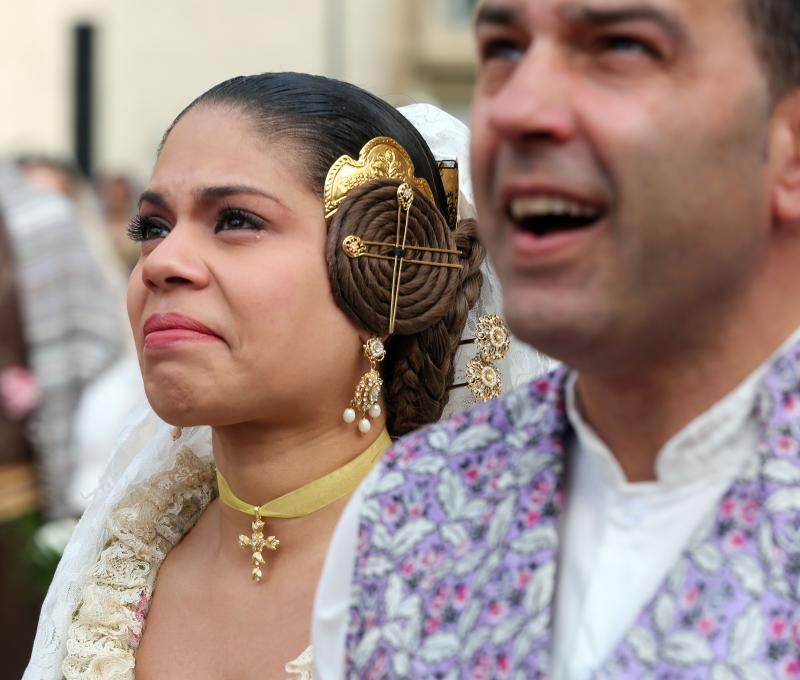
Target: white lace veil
{"x":448,"y":139}
{"x":146,"y":447}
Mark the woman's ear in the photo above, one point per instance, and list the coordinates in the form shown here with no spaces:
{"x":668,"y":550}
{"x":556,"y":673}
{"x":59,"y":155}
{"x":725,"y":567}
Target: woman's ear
{"x":785,"y":159}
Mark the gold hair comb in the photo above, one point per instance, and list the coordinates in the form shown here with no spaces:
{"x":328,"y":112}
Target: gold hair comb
{"x":380,"y":158}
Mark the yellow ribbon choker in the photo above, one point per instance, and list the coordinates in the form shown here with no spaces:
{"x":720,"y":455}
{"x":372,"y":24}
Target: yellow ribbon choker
{"x":300,"y":502}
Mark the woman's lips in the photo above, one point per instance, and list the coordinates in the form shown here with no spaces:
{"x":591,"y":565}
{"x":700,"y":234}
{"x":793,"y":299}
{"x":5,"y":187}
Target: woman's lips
{"x":163,"y":330}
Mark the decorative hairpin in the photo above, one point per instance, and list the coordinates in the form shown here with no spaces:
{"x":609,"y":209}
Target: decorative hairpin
{"x":385,"y":158}
{"x":492,"y":340}
{"x":448,"y":172}
{"x":380,"y":158}
{"x":355,"y":246}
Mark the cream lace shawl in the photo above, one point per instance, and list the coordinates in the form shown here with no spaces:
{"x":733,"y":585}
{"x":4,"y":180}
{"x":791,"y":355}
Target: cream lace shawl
{"x":94,"y":613}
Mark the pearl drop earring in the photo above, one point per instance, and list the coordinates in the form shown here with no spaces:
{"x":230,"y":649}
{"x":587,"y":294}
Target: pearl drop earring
{"x":365,"y":400}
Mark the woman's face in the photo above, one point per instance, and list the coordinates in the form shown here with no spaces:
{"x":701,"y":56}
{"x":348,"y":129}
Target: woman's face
{"x":230,"y":303}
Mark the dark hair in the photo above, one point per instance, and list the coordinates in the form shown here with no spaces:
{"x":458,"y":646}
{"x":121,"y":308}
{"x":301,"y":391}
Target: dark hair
{"x":776,"y":27}
{"x":324,"y":119}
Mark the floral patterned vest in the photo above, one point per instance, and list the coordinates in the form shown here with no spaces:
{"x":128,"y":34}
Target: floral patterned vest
{"x":456,"y":563}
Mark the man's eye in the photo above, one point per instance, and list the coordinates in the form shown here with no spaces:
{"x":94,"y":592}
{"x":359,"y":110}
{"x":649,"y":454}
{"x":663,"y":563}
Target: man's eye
{"x":231,"y":219}
{"x":628,"y":44}
{"x":501,"y":49}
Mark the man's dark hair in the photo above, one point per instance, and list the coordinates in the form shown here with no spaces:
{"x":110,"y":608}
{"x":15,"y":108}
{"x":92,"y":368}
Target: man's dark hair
{"x":776,"y":24}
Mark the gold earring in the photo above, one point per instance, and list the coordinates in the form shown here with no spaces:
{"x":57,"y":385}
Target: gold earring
{"x":177,"y":431}
{"x":492,"y":340}
{"x":365,"y":400}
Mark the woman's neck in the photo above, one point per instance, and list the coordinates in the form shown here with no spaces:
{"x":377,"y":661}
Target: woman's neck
{"x":261,"y":464}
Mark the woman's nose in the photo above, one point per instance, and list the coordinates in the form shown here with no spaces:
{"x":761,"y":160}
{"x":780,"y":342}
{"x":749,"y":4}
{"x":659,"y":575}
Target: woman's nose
{"x":175,"y":261}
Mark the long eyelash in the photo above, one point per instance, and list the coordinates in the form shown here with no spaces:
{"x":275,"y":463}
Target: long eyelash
{"x":228,"y":212}
{"x":139,"y":225}
{"x":136,"y":228}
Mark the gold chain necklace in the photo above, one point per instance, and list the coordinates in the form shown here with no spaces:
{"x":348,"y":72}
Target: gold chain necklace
{"x":300,"y":502}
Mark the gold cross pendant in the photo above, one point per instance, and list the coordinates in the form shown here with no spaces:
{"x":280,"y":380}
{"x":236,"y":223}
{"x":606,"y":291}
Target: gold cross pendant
{"x":257,"y":543}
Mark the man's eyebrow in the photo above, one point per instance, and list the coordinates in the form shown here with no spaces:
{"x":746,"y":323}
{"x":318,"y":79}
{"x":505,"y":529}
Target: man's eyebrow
{"x":601,"y":16}
{"x":496,"y":14}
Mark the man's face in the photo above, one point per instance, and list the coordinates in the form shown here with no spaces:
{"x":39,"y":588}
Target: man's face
{"x":621,"y":167}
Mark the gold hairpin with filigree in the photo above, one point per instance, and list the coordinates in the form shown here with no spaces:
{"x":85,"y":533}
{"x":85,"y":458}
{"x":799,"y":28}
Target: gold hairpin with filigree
{"x":405,"y":197}
{"x":380,"y":158}
{"x":355,"y":246}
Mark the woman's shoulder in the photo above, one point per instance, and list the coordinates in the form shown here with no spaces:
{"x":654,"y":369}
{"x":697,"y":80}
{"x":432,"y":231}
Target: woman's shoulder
{"x":142,"y":529}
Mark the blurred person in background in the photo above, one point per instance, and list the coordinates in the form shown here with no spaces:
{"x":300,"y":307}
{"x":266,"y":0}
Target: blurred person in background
{"x":103,"y":209}
{"x":117,"y":196}
{"x":59,"y":176}
{"x":51,"y":174}
{"x":70,"y":314}
{"x":61,"y":328}
{"x":19,"y":489}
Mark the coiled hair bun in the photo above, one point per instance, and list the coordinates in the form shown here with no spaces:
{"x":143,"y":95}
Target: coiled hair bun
{"x":362,"y":285}
{"x":433,"y":302}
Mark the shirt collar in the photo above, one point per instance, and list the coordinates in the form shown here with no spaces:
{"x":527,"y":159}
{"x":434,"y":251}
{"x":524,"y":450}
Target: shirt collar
{"x":699,"y":449}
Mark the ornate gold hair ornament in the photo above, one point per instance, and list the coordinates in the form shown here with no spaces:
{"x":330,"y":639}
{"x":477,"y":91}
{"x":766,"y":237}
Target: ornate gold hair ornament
{"x":355,"y":246}
{"x":448,"y":171}
{"x":380,"y":158}
{"x":492,"y":341}
{"x":385,"y":158}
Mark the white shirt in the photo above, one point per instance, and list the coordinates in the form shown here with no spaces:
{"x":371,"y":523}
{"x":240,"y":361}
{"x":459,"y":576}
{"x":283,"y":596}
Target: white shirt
{"x":618,"y":539}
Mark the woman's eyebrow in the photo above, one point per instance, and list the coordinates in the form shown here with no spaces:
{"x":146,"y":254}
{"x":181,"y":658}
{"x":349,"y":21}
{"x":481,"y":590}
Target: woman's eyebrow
{"x":153,"y":197}
{"x":207,"y":194}
{"x":216,"y":192}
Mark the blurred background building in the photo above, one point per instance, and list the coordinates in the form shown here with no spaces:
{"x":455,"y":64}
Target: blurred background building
{"x":99,"y":80}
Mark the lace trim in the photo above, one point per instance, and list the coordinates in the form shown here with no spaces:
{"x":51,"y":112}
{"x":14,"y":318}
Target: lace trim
{"x":108,"y":622}
{"x":303,"y":666}
{"x":107,"y":625}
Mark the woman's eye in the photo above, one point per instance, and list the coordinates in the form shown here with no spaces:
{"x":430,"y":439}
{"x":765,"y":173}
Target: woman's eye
{"x":142,"y":228}
{"x":232,"y":219}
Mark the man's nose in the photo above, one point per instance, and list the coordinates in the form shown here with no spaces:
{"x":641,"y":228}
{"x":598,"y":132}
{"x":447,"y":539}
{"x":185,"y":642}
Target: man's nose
{"x":536,"y":101}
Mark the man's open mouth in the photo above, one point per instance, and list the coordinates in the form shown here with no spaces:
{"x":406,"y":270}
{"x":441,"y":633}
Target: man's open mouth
{"x":544,"y":215}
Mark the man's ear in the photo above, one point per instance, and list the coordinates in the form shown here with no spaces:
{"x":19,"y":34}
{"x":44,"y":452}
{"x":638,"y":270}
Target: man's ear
{"x":785,"y":160}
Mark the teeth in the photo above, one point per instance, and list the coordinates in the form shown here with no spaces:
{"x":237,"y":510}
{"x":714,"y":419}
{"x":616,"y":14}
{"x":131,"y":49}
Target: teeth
{"x":539,"y":206}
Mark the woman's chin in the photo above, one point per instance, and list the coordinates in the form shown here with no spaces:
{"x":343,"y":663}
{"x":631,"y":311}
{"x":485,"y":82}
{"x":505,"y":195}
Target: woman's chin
{"x":176,"y":409}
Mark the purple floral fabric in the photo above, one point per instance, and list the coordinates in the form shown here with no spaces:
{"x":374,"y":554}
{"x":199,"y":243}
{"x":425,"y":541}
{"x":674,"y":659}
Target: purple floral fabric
{"x":730,"y":608}
{"x":456,"y":562}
